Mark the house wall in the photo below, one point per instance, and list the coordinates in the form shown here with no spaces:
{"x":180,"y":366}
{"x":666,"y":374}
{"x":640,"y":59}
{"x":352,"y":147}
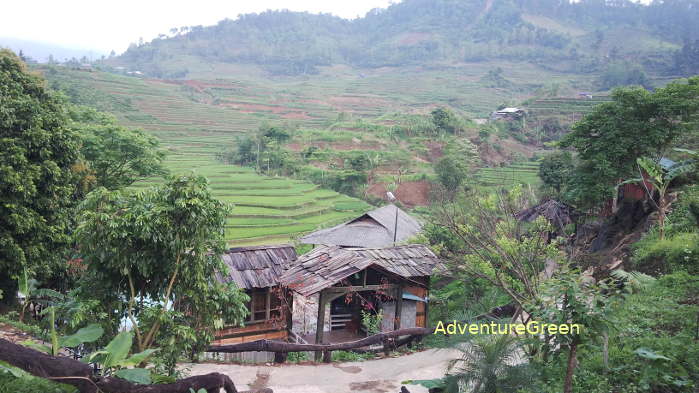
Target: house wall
{"x":408,"y":314}
{"x":273,"y":328}
{"x":305,"y":314}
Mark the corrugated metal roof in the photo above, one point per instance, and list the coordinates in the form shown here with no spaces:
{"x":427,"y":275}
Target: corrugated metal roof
{"x":372,"y":229}
{"x":325,"y":266}
{"x":257,"y":267}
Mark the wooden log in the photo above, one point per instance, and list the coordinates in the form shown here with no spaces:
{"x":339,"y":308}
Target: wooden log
{"x":280,"y":346}
{"x":78,"y":374}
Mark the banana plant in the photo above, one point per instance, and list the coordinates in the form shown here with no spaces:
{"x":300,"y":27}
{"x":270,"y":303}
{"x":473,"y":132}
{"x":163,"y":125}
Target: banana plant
{"x":115,"y":360}
{"x":87,"y":334}
{"x":660,"y":179}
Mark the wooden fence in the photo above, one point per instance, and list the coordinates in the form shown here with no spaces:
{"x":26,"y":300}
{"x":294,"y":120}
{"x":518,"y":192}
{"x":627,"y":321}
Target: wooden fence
{"x":390,"y":341}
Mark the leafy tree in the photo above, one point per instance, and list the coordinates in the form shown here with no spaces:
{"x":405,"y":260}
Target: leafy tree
{"x":486,"y":241}
{"x":153,"y":257}
{"x":623,"y":74}
{"x":451,"y":172}
{"x":445,"y":120}
{"x":615,"y":134}
{"x":116,"y":156}
{"x":274,"y":133}
{"x":37,"y":152}
{"x":555,"y":170}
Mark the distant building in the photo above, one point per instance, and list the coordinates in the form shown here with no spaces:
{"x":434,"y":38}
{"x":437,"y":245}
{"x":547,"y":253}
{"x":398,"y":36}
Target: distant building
{"x":508,"y":114}
{"x":84,"y":67}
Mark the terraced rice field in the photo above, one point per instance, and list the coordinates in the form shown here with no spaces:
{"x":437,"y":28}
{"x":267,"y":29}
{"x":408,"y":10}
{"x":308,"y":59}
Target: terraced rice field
{"x":565,"y":106}
{"x":267,"y":210}
{"x":524,"y":173}
{"x":195,"y":119}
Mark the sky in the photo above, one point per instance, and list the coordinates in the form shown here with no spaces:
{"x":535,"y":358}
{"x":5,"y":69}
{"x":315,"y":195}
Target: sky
{"x":112,"y":25}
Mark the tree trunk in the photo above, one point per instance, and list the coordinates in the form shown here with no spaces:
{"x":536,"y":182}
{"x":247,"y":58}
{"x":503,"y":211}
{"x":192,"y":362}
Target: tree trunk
{"x":572,"y":364}
{"x":78,"y":374}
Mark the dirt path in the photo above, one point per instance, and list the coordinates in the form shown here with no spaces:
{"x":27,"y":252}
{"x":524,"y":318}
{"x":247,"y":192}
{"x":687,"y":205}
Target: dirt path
{"x":373,"y":376}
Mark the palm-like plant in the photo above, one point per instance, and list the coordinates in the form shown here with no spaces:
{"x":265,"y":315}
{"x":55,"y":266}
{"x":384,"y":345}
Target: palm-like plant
{"x":489,"y":364}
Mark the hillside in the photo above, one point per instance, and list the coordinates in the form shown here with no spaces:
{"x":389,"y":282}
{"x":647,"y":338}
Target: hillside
{"x":584,"y":36}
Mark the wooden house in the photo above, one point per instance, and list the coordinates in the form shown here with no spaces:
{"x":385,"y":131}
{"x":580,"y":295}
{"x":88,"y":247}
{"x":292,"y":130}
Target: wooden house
{"x":332,"y":285}
{"x":382,"y":227}
{"x":257,"y":271}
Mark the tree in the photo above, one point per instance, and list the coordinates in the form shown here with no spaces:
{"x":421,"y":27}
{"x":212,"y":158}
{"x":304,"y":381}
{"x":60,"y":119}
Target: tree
{"x":116,"y":156}
{"x":37,"y":152}
{"x":153,"y":257}
{"x":569,"y":297}
{"x":615,"y":134}
{"x":451,"y":172}
{"x":555,"y":170}
{"x":445,"y":120}
{"x":623,"y":74}
{"x":486,"y":241}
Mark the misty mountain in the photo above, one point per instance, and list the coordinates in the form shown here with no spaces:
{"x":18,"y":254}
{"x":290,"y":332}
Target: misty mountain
{"x":572,"y":36}
{"x":40,"y":51}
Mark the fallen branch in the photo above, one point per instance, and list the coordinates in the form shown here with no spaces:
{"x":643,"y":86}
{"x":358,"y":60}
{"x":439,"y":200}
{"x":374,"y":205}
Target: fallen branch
{"x":81,"y":375}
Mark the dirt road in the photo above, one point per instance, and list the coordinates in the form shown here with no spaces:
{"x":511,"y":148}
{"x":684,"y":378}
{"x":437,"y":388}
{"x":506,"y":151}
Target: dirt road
{"x":373,"y":376}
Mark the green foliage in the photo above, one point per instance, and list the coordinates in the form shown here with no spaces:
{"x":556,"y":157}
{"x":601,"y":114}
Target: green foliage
{"x":297,"y":357}
{"x":114,"y":361}
{"x":417,"y":32}
{"x":451,"y":172}
{"x":555,"y":170}
{"x":15,"y":380}
{"x":623,"y":74}
{"x":349,"y":356}
{"x":161,"y":244}
{"x":488,"y":364}
{"x":372,"y":322}
{"x":88,"y":334}
{"x":635,"y":124}
{"x":116,"y":156}
{"x":37,"y":152}
{"x":661,"y":256}
{"x":651,"y":344}
{"x":445,"y":120}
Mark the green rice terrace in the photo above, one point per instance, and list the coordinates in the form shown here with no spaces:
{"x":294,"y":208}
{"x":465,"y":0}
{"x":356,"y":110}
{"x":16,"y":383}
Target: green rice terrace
{"x":196,"y":120}
{"x":524,"y":173}
{"x":267,"y":209}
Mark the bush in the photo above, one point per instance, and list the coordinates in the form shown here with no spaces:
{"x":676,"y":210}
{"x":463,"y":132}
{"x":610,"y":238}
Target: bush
{"x":26,"y":383}
{"x":676,"y":252}
{"x":347,"y":356}
{"x":651,"y":345}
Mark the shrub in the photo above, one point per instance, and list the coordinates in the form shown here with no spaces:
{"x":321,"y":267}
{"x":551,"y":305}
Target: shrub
{"x":677,"y":252}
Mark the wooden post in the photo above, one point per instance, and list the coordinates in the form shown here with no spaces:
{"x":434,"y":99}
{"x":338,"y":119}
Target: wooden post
{"x":280,"y":357}
{"x":398,"y":307}
{"x":320,"y":324}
